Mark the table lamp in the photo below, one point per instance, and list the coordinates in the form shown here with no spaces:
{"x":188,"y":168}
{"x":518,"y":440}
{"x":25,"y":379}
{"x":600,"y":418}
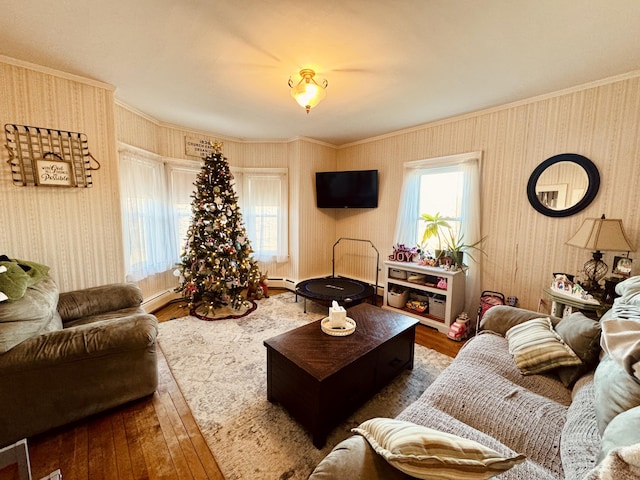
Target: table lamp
{"x":599,"y":234}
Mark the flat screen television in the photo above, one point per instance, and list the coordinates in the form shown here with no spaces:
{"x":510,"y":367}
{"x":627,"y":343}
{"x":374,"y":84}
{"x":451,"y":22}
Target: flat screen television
{"x":347,"y":189}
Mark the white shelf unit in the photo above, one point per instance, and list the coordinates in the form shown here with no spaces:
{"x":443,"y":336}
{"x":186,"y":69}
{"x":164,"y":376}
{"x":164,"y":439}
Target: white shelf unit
{"x":454,"y":295}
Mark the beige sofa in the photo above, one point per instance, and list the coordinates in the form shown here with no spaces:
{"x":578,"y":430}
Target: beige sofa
{"x":66,"y":356}
{"x":565,"y":421}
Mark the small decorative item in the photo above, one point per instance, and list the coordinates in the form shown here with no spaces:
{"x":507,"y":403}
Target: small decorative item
{"x":562,"y":283}
{"x":622,"y":266}
{"x":403,"y":254}
{"x":442,"y":283}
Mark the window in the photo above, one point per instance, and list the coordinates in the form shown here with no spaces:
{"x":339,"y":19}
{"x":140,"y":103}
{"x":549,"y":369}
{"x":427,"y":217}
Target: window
{"x":448,"y":185}
{"x":181,"y":179}
{"x":156,"y":199}
{"x":146,"y":222}
{"x":440,"y":192}
{"x":263,"y":197}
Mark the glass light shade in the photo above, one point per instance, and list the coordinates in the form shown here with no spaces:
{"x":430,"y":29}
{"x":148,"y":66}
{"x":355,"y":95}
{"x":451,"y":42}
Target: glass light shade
{"x":307,"y":92}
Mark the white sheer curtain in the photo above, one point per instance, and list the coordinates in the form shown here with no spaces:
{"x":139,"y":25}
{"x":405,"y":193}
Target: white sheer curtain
{"x":265,"y":209}
{"x":181,"y":180}
{"x":149,"y":245}
{"x":407,"y":223}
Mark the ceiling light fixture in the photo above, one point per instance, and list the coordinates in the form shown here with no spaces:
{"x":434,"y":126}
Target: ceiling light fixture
{"x":308,"y":92}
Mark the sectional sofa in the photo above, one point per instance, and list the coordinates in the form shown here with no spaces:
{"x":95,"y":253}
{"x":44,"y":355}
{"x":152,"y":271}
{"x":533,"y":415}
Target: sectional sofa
{"x":527,"y":398}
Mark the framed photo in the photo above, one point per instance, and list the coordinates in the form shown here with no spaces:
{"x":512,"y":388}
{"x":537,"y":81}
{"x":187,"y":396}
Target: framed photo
{"x":622,"y":266}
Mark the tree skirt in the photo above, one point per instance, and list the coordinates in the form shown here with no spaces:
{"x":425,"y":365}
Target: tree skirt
{"x":221,"y":369}
{"x":224,"y":312}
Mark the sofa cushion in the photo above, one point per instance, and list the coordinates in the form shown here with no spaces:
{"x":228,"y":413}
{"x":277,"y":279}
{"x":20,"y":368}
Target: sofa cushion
{"x":431,"y":454}
{"x":35,"y":313}
{"x":355,"y":456}
{"x":616,"y":391}
{"x":582,"y":335}
{"x":537,"y":348}
{"x":501,"y":318}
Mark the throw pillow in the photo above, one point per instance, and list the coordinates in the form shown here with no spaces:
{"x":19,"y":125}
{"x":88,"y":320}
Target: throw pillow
{"x":622,"y":431}
{"x":537,"y":348}
{"x":616,"y":391}
{"x":621,"y":341}
{"x":431,"y":454}
{"x":582,"y":335}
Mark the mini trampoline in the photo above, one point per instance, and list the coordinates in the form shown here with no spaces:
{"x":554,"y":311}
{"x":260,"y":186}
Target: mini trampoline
{"x":346,"y":291}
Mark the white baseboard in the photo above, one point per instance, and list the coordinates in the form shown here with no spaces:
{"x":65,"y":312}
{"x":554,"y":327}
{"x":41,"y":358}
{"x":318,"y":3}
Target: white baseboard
{"x":159,"y":300}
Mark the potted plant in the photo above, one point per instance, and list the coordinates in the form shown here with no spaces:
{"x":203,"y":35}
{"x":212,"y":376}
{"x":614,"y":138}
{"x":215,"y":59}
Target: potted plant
{"x":456,"y":248}
{"x":434,"y":224}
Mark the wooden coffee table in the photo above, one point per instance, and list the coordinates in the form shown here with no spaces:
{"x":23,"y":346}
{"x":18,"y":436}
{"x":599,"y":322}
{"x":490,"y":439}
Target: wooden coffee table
{"x":321,"y":379}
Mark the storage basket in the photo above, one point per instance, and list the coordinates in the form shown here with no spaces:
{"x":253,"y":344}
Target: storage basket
{"x":437,"y":307}
{"x":397,"y":299}
{"x":397,"y":273}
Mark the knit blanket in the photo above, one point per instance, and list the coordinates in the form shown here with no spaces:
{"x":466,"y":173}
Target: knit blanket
{"x":484,"y":397}
{"x":621,"y":331}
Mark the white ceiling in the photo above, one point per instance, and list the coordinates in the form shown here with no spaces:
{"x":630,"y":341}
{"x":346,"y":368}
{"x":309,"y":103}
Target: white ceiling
{"x":223,"y":66}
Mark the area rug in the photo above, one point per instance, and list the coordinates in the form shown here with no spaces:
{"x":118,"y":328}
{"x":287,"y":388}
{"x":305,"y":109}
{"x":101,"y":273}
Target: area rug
{"x":221,"y":369}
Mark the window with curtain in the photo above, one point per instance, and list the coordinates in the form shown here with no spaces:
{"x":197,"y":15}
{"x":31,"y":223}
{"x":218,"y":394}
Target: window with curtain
{"x":149,"y":245}
{"x":263,"y":196}
{"x":181,"y":179}
{"x":451,"y":186}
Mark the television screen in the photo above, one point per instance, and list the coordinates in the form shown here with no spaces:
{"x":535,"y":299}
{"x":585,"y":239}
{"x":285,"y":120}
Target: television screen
{"x":347,"y":189}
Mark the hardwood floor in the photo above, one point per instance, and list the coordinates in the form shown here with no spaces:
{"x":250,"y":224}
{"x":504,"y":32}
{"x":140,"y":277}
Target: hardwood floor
{"x":152,"y":438}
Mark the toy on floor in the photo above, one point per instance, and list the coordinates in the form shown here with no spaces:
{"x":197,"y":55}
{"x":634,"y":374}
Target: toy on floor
{"x":459,"y":330}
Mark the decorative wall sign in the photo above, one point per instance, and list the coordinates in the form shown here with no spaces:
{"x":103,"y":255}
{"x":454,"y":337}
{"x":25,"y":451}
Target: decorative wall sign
{"x":199,"y":147}
{"x":48,"y":157}
{"x":54,"y":172}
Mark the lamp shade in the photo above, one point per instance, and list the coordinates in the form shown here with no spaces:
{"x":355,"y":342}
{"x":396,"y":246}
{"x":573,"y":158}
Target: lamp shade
{"x":601,"y":234}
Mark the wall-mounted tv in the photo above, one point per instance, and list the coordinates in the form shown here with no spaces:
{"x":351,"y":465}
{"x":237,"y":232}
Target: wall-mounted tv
{"x":347,"y":189}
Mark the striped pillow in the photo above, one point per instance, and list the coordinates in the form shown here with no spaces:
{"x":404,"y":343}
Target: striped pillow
{"x":537,"y":348}
{"x":431,"y":454}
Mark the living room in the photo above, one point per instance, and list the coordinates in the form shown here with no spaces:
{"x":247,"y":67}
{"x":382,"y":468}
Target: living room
{"x":78,"y":232}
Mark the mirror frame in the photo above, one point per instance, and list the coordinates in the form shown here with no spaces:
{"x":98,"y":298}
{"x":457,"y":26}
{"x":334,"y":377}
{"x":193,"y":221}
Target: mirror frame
{"x":592,"y":188}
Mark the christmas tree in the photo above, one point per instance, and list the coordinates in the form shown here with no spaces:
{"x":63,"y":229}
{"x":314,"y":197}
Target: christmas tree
{"x":216,"y":264}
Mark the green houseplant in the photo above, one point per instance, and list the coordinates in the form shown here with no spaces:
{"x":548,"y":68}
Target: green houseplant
{"x":434,"y":225}
{"x":456,"y":248}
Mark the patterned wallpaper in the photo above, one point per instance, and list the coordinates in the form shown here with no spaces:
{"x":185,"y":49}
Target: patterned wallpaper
{"x":77,"y":231}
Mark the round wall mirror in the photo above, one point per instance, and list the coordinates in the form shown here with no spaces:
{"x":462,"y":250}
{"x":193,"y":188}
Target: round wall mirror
{"x":563,"y":185}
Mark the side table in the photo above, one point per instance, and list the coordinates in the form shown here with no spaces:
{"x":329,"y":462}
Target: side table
{"x":563,"y":305}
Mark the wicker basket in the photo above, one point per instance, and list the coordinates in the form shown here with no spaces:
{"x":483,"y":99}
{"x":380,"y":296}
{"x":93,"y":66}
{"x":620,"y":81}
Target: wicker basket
{"x":397,"y":299}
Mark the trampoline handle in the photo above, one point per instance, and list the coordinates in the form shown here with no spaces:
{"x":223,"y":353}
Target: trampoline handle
{"x":333,"y":258}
